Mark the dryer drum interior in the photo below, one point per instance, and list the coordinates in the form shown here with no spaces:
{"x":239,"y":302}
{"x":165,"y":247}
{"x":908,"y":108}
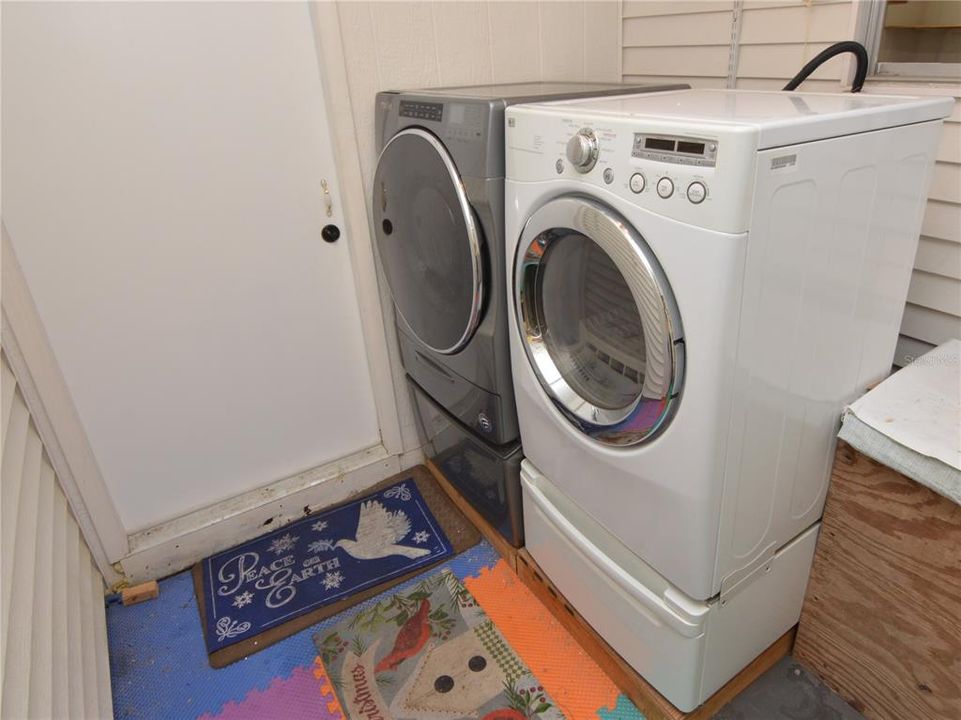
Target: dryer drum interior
{"x":599,"y":322}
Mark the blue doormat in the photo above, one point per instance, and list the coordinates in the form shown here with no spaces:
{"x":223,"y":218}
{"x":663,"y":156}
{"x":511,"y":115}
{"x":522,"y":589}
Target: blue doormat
{"x":318,"y":561}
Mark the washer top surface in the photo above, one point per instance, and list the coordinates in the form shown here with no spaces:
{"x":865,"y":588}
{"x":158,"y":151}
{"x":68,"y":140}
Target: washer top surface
{"x":779,"y":118}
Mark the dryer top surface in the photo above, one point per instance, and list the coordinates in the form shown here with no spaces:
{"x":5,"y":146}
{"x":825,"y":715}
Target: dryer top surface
{"x":779,"y":118}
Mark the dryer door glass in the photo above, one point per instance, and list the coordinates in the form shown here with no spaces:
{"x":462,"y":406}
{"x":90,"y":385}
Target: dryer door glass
{"x":428,"y":241}
{"x":598,"y":321}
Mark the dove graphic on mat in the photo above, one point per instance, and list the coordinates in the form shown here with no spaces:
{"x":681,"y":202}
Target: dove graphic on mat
{"x":378,"y":532}
{"x":410,"y":639}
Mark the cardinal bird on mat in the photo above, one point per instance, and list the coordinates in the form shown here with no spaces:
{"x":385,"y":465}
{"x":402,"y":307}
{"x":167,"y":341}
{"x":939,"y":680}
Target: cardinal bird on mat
{"x":410,"y":639}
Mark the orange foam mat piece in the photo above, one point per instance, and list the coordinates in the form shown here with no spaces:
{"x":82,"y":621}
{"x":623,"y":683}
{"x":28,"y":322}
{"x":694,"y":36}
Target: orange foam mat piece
{"x":568,"y":673}
{"x":327,"y":690}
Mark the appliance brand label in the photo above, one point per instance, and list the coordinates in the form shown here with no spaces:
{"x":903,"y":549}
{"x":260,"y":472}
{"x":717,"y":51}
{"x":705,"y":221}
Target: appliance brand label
{"x":784,"y":163}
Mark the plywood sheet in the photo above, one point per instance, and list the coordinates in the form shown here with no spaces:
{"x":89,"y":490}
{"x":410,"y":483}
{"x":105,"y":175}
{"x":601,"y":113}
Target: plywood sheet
{"x":881,"y":622}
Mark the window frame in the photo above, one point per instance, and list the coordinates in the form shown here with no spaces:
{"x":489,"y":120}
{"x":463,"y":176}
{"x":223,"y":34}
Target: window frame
{"x":873,"y":24}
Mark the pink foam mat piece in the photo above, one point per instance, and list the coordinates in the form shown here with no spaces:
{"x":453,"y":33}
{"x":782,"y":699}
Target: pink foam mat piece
{"x":305,"y":694}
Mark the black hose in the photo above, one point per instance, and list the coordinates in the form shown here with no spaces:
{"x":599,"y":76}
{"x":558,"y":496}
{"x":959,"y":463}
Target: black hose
{"x":856,"y":48}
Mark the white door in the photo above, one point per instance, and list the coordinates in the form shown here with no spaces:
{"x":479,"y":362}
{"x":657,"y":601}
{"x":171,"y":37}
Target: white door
{"x":163,"y":173}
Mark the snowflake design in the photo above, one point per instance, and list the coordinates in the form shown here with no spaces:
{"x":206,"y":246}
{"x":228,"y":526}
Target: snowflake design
{"x":318,"y":546}
{"x":421,"y":537}
{"x":283,"y":544}
{"x":401,"y":492}
{"x":245,"y":598}
{"x":319,"y":526}
{"x":332,"y":580}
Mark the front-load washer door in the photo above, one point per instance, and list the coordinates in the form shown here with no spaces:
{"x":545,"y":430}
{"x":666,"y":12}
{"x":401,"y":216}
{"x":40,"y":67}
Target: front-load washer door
{"x":598,"y":321}
{"x":428,"y":240}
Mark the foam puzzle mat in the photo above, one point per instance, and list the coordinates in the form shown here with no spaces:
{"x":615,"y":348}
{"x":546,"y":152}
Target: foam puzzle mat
{"x":159,"y":669}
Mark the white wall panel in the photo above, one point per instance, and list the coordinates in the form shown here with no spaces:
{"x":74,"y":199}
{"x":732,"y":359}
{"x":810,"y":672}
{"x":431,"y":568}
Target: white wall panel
{"x":562,"y":26}
{"x":602,"y":59}
{"x":54,"y":648}
{"x":406,"y":44}
{"x":515,"y":36}
{"x":466,"y":56}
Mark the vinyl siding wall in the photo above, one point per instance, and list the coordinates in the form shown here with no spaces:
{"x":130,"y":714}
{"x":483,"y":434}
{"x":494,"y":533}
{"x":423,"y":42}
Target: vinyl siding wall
{"x":768,"y":42}
{"x":933,"y":312}
{"x":54,"y":635}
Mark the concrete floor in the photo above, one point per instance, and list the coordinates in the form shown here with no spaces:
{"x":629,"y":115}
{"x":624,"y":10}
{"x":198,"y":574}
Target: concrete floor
{"x":788,"y":692}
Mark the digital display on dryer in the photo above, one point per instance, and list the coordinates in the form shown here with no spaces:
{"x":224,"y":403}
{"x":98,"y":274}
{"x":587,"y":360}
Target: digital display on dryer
{"x":656,"y":143}
{"x":693,"y":148}
{"x":679,"y":150}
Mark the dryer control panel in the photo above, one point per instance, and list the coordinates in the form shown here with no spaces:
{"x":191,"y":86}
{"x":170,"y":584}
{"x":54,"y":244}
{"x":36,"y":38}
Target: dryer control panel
{"x":698,"y":175}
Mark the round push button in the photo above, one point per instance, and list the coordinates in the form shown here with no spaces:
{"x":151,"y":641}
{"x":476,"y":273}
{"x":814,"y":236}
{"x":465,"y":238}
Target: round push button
{"x":608,"y":176}
{"x":665,"y":187}
{"x":696,"y":192}
{"x":637,"y":183}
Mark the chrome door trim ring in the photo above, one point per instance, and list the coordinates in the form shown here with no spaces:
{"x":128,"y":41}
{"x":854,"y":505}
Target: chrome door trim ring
{"x":652,"y":410}
{"x":473,"y":239}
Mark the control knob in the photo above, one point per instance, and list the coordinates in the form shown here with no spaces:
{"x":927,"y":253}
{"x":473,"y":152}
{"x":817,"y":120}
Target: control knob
{"x":582,"y":150}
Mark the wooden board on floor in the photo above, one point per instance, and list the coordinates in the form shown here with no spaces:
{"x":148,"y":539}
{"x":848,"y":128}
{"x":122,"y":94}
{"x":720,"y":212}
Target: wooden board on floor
{"x":881,"y":622}
{"x":648,"y":700}
{"x":504,"y":548}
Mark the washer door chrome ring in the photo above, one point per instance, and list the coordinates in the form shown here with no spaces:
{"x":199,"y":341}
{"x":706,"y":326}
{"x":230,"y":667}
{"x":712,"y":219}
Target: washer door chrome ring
{"x":654,"y":407}
{"x":473,"y":240}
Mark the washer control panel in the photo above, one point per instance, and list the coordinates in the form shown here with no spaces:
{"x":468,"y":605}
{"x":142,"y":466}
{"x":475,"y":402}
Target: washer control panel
{"x":422,"y":110}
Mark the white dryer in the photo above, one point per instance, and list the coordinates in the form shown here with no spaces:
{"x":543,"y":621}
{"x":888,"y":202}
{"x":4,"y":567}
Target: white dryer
{"x":701,"y":280}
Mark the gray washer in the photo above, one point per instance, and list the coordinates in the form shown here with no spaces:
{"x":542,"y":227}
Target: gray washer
{"x":438,"y":213}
